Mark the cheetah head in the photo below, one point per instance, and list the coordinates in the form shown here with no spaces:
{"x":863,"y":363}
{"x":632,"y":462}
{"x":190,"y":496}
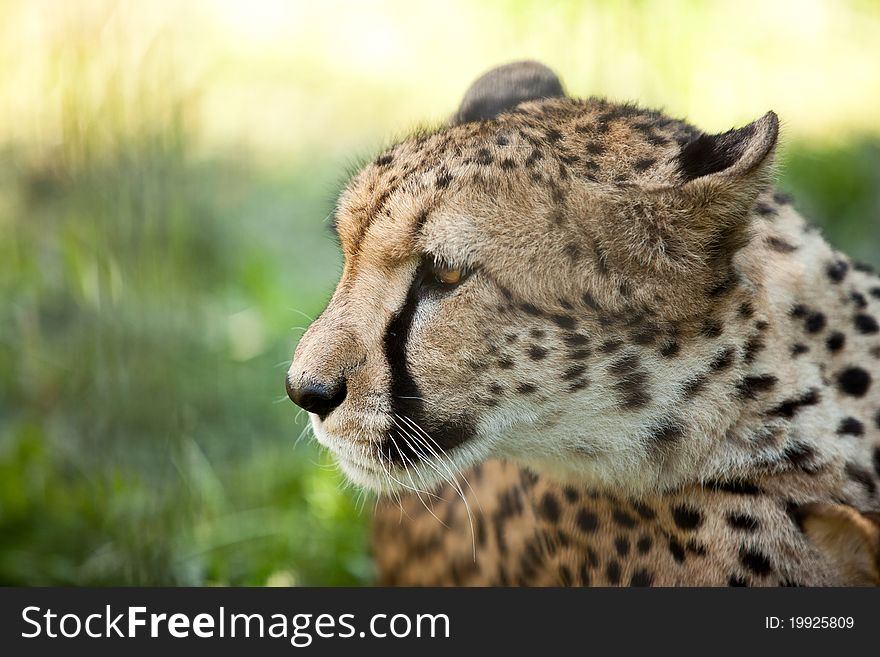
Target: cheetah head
{"x":516,"y":284}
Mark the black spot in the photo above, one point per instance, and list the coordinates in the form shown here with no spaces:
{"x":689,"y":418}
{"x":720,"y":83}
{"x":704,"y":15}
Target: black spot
{"x":571,"y":494}
{"x":854,"y":381}
{"x":526,"y":388}
{"x":754,"y":345}
{"x":595,"y":148}
{"x":782,"y":198}
{"x":587,"y":521}
{"x":591,"y":303}
{"x":875,"y":292}
{"x":533,"y":157}
{"x":643,"y":510}
{"x":798,"y":348}
{"x":736,"y":580}
{"x":553,"y":135}
{"x":644,"y":336}
{"x":799,"y":311}
{"x":877,"y":419}
{"x":444,"y":178}
{"x":644,"y":545}
{"x":694,"y":386}
{"x":790,"y":407}
{"x":861,"y":476}
{"x":866,"y":324}
{"x":755,"y":561}
{"x":505,"y":363}
{"x":837,"y":271}
{"x":764,"y":209}
{"x":858,"y":299}
{"x":612,"y":572}
{"x":562,"y":538}
{"x":799,"y":455}
{"x":563,"y":321}
{"x":676,"y":550}
{"x":746,"y":309}
{"x":484,"y":157}
{"x":814,"y":322}
{"x":641,"y":578}
{"x":575,"y":339}
{"x":711,"y":328}
{"x":723,"y":360}
{"x":643,"y":164}
{"x":565,"y":575}
{"x":863,"y":267}
{"x":585,"y":574}
{"x":507,"y":164}
{"x":610,"y":346}
{"x":835,"y":341}
{"x":537,"y":353}
{"x":696,"y":548}
{"x":668,"y":432}
{"x":532,"y":310}
{"x":573,"y":372}
{"x":743,"y":521}
{"x":621,"y":544}
{"x":550,"y":507}
{"x":632,"y":381}
{"x":384,"y":160}
{"x":850,"y":426}
{"x":687,"y":517}
{"x":877,"y":459}
{"x":670,"y":350}
{"x":623,"y":519}
{"x":750,"y":386}
{"x":496,"y":389}
{"x":580,"y":354}
{"x":537,"y":333}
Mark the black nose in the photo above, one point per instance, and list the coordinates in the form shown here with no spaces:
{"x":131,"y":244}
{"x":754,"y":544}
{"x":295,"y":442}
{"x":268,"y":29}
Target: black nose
{"x":317,"y":397}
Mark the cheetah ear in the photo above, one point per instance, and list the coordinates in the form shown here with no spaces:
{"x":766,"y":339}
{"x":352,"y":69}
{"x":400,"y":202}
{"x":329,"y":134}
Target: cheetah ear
{"x":505,"y":87}
{"x":708,"y":201}
{"x":720,"y":179}
{"x":733,"y":154}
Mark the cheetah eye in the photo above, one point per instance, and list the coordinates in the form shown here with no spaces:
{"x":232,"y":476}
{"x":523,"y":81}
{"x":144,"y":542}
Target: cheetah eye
{"x":443,"y":275}
{"x":447,"y":275}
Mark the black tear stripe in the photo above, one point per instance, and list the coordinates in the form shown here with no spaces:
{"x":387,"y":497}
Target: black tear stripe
{"x":406,"y":396}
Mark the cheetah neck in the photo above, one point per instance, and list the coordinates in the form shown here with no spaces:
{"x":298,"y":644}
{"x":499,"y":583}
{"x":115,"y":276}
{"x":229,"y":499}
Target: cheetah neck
{"x":779,"y":391}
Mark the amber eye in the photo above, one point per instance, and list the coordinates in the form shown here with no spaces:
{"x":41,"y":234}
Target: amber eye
{"x":447,"y":275}
{"x":442,"y":274}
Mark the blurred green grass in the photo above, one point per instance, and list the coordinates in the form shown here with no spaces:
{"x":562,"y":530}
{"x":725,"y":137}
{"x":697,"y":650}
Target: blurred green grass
{"x":154,"y":281}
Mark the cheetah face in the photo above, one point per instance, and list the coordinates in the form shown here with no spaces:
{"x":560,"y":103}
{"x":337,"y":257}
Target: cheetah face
{"x":511,"y":283}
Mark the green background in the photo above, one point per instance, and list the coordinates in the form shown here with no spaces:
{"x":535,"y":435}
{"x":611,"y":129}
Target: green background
{"x":167,"y":170}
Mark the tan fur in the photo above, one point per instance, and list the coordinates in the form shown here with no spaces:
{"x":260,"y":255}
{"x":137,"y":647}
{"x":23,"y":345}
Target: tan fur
{"x":847,"y":538}
{"x":640,"y":322}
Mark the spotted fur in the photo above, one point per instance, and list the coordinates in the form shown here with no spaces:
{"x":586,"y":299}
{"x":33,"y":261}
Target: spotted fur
{"x":643,"y":321}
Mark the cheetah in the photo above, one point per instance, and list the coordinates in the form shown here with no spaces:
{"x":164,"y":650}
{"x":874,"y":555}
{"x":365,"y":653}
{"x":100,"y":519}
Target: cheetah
{"x":577,"y":342}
